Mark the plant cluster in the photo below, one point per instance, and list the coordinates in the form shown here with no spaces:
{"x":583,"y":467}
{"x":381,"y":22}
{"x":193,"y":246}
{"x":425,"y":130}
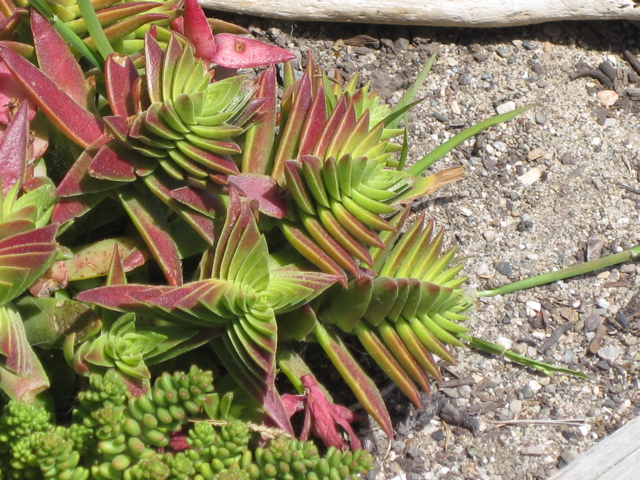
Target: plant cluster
{"x":161,"y":207}
{"x":166,"y":433}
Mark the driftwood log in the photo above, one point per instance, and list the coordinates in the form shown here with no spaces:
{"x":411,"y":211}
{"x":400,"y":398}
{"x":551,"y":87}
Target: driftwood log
{"x":460,"y":13}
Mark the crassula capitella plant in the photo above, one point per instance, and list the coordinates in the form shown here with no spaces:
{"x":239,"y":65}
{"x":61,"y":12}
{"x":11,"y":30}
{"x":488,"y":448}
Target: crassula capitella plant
{"x":162,"y":207}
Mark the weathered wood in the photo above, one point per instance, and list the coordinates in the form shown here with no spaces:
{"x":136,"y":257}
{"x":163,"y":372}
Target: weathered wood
{"x":461,"y":13}
{"x":617,"y":457}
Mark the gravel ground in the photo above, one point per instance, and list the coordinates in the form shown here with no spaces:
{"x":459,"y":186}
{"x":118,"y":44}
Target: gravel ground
{"x":558,"y":185}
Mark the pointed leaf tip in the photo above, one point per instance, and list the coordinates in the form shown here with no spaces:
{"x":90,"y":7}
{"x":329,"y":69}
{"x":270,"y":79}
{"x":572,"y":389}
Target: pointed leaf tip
{"x":233,"y":51}
{"x":197,"y":30}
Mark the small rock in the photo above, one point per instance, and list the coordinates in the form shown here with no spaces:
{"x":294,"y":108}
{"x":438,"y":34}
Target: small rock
{"x":569,"y":159}
{"x":527,"y":392}
{"x":535,"y":154}
{"x":609,"y":353}
{"x":504,"y":52}
{"x":401,"y":44}
{"x":536,"y":450}
{"x":584,"y":429}
{"x":541,"y":119}
{"x":465,"y":79}
{"x":515,"y":406}
{"x":480,"y":57}
{"x":525,"y":226}
{"x":438,"y":436}
{"x":538,"y":68}
{"x":504,"y":268}
{"x":441,"y":117}
{"x":489,"y":235}
{"x":607,"y":97}
{"x":506,"y":107}
{"x":505,"y":342}
{"x":530,"y":177}
{"x":532,"y":308}
{"x":566,"y":457}
{"x":534,"y":386}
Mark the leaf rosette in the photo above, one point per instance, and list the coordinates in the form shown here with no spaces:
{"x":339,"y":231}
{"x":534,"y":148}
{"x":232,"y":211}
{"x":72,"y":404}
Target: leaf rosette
{"x":241,"y":290}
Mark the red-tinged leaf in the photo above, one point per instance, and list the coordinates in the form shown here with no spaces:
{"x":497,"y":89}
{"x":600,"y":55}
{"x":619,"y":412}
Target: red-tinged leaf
{"x":360,"y":383}
{"x":257,"y":153}
{"x":68,"y":209}
{"x":314,"y":124}
{"x":13,"y":150}
{"x":328,"y":244}
{"x":396,"y":346}
{"x":78,"y":124}
{"x":149,"y":220}
{"x":110,"y":163}
{"x":324,"y":415}
{"x":154,"y":56}
{"x":22,"y":376}
{"x":198,"y":31}
{"x":9,"y":24}
{"x":121,"y":29}
{"x":77,"y":180}
{"x":311,"y":251}
{"x":385,"y":360}
{"x":39,"y":235}
{"x":346,"y":125}
{"x":264,"y":190}
{"x":234,"y":51}
{"x":217,"y":162}
{"x":325,"y":138}
{"x":110,"y":15}
{"x":12,"y":94}
{"x":56,"y":60}
{"x":291,"y":128}
{"x":205,"y":202}
{"x":116,"y":274}
{"x":120,"y":75}
{"x":95,"y":260}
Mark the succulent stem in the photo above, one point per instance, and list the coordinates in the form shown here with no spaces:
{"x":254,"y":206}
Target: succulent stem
{"x":571,"y":271}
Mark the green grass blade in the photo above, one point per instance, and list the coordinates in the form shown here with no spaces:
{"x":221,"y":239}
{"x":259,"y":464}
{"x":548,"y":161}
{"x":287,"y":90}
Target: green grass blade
{"x":94,"y":28}
{"x":420,"y":166}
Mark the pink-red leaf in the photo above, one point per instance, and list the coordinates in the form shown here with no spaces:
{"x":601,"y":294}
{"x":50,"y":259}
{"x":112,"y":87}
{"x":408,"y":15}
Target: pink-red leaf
{"x":13,"y":150}
{"x":120,"y":74}
{"x":264,"y":190}
{"x":198,"y":31}
{"x":78,"y":124}
{"x":234,"y":51}
{"x":148,"y":218}
{"x":11,"y":94}
{"x":56,"y":60}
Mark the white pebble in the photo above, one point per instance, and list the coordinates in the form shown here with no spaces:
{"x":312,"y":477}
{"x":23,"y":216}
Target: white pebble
{"x":584,"y":430}
{"x":602,"y":303}
{"x":534,"y":386}
{"x":505,"y":107}
{"x":505,"y":342}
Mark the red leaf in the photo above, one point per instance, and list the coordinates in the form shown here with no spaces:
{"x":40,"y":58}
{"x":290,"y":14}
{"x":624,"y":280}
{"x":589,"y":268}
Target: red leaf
{"x":234,"y":51}
{"x":120,"y":74}
{"x":149,"y":220}
{"x":78,"y":124}
{"x":198,"y":31}
{"x":11,"y":93}
{"x":13,"y":150}
{"x":57,"y":61}
{"x":264,"y":190}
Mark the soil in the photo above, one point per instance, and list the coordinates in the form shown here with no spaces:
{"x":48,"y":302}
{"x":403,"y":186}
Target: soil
{"x":558,"y":185}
